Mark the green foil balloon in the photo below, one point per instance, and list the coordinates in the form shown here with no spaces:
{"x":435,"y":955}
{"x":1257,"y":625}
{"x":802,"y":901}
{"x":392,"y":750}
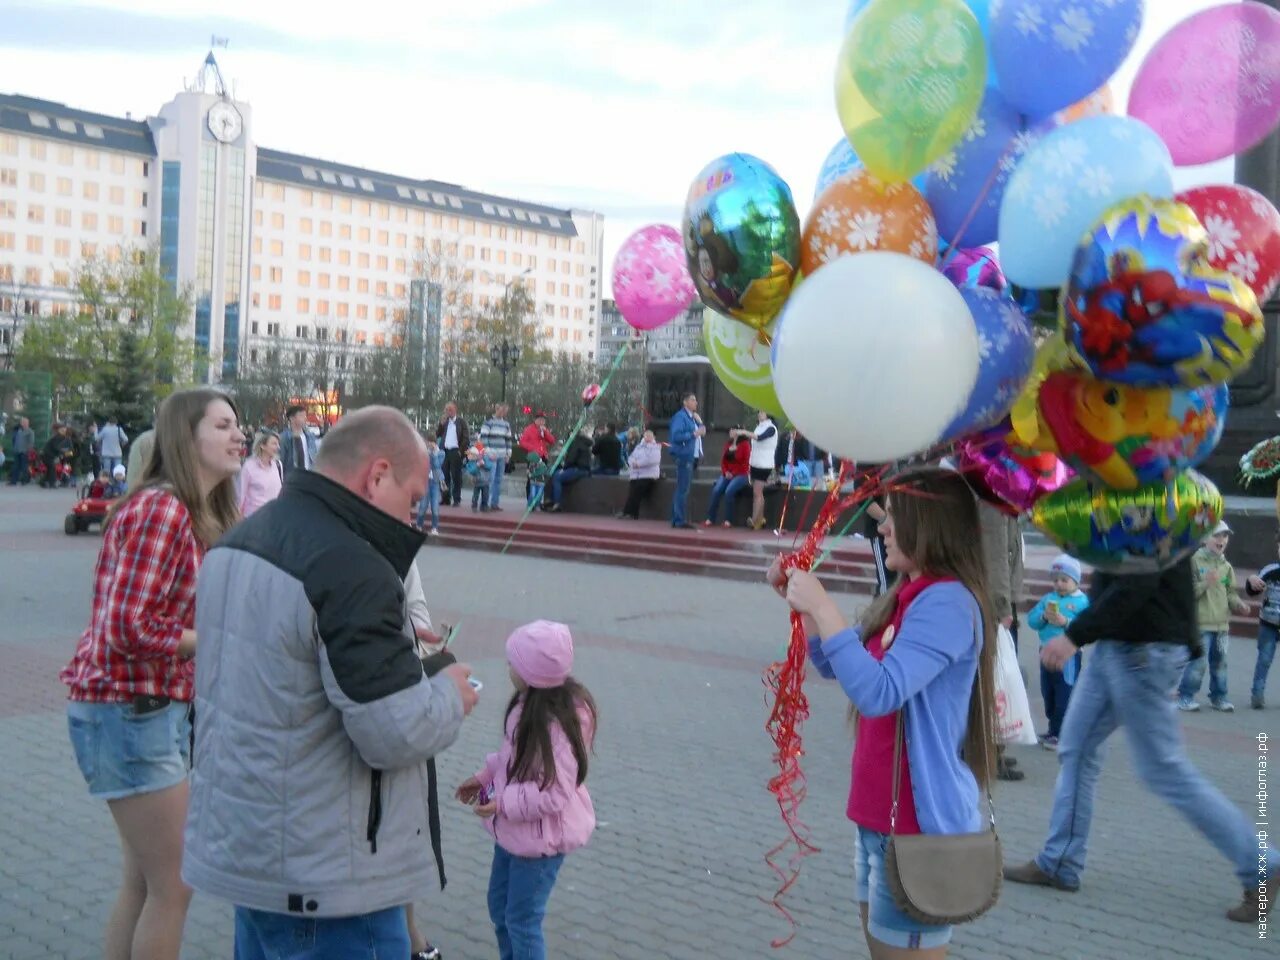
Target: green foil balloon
{"x":1137,"y":531}
{"x":741,"y":361}
{"x":909,"y":82}
{"x":742,"y":239}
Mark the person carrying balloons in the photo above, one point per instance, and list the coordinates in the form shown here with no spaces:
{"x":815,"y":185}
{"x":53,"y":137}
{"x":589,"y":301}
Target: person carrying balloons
{"x":1050,"y":618}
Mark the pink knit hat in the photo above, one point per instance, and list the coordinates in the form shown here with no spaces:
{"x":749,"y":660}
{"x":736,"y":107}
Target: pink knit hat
{"x":541,"y":653}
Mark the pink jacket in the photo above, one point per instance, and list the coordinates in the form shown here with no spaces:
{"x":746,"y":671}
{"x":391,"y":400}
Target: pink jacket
{"x":531,"y":821}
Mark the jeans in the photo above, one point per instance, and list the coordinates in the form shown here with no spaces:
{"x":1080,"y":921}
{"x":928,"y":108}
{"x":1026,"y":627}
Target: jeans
{"x":1215,"y":645}
{"x":1057,"y":694}
{"x":480,"y":493}
{"x":680,"y":501}
{"x":123,"y":754}
{"x":495,"y":483}
{"x":563,"y":478}
{"x":453,"y":474}
{"x":817,"y":470}
{"x":109,"y":464}
{"x":430,"y":502}
{"x":519,"y":888}
{"x":535,"y":491}
{"x":1128,"y":684}
{"x":1267,"y":635}
{"x":18,"y":471}
{"x":726,"y":488}
{"x":262,"y":935}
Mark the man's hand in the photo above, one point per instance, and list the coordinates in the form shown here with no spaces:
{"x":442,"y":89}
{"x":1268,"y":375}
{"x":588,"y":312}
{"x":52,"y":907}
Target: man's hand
{"x":187,"y":645}
{"x":1055,"y":654}
{"x":458,"y":673}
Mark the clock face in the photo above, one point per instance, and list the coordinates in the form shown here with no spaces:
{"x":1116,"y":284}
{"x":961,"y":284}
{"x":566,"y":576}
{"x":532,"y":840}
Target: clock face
{"x":225,"y":122}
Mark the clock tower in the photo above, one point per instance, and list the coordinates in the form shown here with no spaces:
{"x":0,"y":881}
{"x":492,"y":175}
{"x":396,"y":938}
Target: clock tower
{"x":206,"y":156}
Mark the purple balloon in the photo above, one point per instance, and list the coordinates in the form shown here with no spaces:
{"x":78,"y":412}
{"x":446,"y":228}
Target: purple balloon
{"x":1211,"y":86}
{"x":1005,"y":354}
{"x":965,"y":186}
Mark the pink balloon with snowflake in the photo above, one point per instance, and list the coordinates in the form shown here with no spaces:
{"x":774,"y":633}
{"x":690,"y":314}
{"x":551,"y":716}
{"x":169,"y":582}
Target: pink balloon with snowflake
{"x":1210,"y":87}
{"x":1243,"y":229}
{"x":651,"y":282}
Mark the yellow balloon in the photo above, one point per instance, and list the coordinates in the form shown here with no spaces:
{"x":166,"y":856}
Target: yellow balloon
{"x":909,"y":82}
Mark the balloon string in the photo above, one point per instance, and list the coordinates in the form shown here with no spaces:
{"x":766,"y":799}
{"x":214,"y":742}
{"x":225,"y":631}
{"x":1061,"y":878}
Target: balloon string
{"x":564,"y":447}
{"x":784,"y":681}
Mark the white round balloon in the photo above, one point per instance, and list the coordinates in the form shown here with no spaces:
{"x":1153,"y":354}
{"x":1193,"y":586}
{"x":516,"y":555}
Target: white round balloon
{"x":874,"y":355}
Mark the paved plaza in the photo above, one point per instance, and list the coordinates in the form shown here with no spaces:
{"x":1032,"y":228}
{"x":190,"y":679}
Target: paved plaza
{"x":676,"y":866}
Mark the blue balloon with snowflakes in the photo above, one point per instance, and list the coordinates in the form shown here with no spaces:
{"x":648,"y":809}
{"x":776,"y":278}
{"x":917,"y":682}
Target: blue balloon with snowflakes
{"x":1006,"y":351}
{"x":965,"y":187}
{"x":1049,"y":54}
{"x":1064,"y":185}
{"x":840,"y":160}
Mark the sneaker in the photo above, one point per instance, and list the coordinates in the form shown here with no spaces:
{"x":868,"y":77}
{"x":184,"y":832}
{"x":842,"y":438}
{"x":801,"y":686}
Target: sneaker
{"x":1249,"y":909}
{"x":484,"y":509}
{"x":1187,"y":706}
{"x":435,"y":532}
{"x":495,"y":510}
{"x":1006,"y":771}
{"x":1223,"y":706}
{"x":427,"y":953}
{"x":1257,"y":703}
{"x":1049,"y":743}
{"x":1031,"y":873}
{"x":706,"y":523}
{"x":475,"y":508}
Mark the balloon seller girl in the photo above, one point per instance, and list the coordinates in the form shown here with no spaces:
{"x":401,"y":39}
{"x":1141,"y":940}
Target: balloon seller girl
{"x":130,"y":681}
{"x":918,"y":648}
{"x":532,"y":792}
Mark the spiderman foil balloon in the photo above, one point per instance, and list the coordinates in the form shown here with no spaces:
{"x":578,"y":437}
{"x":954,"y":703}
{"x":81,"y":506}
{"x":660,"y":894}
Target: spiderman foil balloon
{"x":1144,"y":307}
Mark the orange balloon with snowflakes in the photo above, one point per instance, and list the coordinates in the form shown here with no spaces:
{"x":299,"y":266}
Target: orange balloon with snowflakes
{"x":1101,"y":102}
{"x":859,"y":212}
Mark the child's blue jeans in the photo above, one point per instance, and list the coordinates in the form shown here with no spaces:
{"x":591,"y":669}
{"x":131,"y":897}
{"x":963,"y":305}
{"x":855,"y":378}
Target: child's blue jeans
{"x":519,"y":888}
{"x":432,"y":502}
{"x":1267,"y":635}
{"x":535,"y":491}
{"x":1215,"y":645}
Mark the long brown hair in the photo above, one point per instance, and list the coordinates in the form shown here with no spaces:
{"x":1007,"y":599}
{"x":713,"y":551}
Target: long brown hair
{"x":174,"y":459}
{"x":935,"y":524}
{"x":532,"y":758}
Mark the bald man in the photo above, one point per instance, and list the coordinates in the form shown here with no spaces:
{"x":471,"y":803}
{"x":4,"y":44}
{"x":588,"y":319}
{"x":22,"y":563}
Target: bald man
{"x":309,"y":807}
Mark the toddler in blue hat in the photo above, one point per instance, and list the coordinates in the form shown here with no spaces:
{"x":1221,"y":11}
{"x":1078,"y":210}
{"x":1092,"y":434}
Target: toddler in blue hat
{"x":1049,"y":618}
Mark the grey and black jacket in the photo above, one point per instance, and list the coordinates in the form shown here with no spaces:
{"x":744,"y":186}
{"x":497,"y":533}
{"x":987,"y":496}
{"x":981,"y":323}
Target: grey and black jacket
{"x":315,"y":720}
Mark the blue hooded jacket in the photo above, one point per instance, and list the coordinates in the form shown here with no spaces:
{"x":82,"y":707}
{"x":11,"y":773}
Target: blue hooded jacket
{"x":681,"y":441}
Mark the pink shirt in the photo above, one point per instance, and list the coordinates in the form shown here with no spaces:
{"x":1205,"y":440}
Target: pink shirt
{"x":533,"y":821}
{"x":259,"y":483}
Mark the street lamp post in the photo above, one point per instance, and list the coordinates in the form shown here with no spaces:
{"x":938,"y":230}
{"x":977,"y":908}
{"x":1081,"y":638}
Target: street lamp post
{"x":504,"y":356}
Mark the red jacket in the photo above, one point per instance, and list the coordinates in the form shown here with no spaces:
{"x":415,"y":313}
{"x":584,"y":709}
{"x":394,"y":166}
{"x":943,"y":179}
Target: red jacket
{"x":537,"y":440}
{"x":736,"y":458}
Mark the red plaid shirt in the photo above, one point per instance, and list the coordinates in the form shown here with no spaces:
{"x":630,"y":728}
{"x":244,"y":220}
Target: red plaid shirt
{"x":144,"y":595}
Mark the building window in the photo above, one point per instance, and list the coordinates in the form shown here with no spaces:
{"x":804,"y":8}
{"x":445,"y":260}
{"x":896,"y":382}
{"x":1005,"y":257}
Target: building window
{"x":115,"y":225}
{"x":35,"y":244}
{"x":8,"y":144}
{"x":322,"y":281}
{"x":117,"y":163}
{"x":305,"y":225}
{"x":322,"y":308}
{"x":326,"y":228}
{"x":9,"y":177}
{"x":382,"y":262}
{"x":363,"y":235}
{"x":90,"y":190}
{"x":277,"y":248}
{"x":362,"y":285}
{"x":38,"y":150}
{"x":273,"y":303}
{"x":326,"y":254}
{"x":276,"y":275}
{"x":8,"y":210}
{"x":304,"y":305}
{"x":304,"y":251}
{"x":31,"y":276}
{"x":344,"y":231}
{"x":116,"y":195}
{"x":362,"y":261}
{"x":344,"y":257}
{"x":344,"y":283}
{"x":300,"y":331}
{"x":7,"y":241}
{"x":35,"y":181}
{"x":35,"y":213}
{"x":362,"y":313}
{"x":92,"y":159}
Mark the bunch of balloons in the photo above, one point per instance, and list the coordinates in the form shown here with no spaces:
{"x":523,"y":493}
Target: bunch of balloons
{"x":982,"y":143}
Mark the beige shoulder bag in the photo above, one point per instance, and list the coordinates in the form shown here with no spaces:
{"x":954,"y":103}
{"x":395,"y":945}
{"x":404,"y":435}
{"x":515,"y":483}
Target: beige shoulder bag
{"x":943,"y":878}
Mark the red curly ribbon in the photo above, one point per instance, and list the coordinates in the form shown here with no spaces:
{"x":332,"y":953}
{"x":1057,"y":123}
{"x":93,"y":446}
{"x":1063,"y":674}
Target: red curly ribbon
{"x":785,"y":682}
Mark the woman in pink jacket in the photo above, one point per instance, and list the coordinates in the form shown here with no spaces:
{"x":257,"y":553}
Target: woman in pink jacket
{"x":531,"y":792}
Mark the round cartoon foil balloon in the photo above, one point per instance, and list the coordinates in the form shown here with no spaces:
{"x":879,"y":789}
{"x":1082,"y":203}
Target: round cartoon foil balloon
{"x":742,"y":238}
{"x":741,"y":361}
{"x":1136,"y":531}
{"x":1125,"y":436}
{"x":1144,"y":306}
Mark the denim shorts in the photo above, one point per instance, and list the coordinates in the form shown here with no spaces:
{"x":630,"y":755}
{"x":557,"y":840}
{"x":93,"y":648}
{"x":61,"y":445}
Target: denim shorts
{"x":121,"y":754}
{"x":885,"y":921}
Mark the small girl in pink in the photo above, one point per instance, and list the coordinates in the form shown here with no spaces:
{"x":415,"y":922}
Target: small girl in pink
{"x":532,"y":792}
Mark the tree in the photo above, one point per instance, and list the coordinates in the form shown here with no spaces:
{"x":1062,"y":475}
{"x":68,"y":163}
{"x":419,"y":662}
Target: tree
{"x":122,"y":345}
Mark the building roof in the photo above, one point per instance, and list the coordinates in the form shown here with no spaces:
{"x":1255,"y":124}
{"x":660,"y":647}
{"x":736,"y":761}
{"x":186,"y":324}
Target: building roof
{"x":57,"y":121}
{"x":316,"y":174}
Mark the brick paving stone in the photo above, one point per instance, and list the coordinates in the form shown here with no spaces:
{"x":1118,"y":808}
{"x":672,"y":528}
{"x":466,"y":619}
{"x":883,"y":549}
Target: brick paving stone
{"x":676,"y":867}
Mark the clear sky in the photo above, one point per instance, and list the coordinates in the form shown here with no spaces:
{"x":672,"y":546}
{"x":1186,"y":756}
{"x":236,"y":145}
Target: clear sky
{"x":596,"y":103}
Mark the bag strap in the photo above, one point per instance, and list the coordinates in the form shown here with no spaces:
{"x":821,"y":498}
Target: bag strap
{"x":986,"y":745}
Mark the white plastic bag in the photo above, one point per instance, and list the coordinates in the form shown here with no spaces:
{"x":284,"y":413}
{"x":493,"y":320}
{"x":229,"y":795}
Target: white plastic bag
{"x":1014,"y":725}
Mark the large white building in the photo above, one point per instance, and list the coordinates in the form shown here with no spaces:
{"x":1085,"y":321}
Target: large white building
{"x":281,"y":250}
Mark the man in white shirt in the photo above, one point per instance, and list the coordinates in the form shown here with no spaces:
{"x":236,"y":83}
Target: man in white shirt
{"x":454,"y":439}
